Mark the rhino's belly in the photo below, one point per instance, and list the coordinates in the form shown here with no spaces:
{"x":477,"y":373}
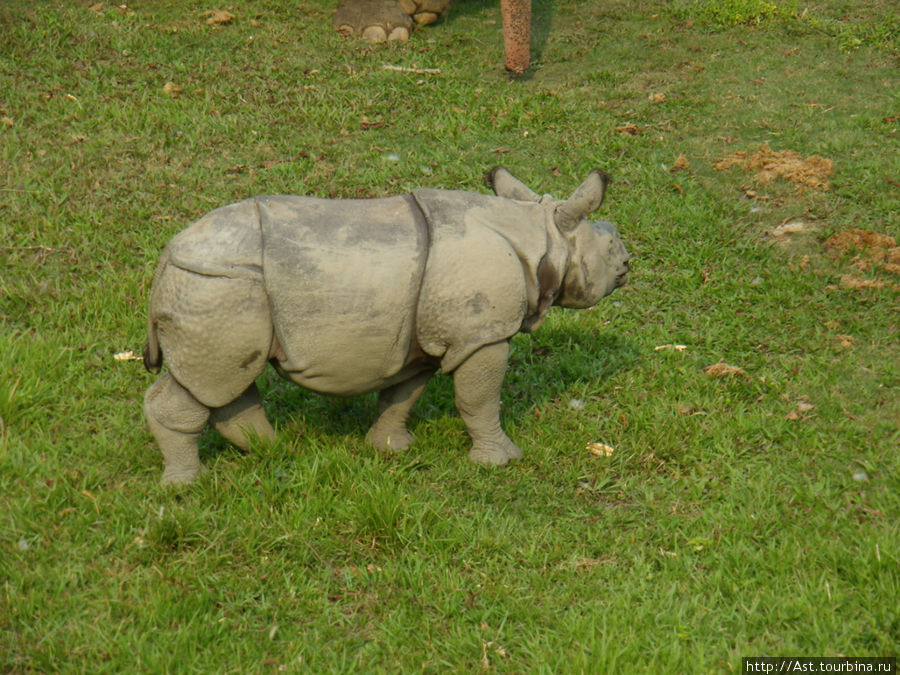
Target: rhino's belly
{"x":343,"y":279}
{"x":342,"y":360}
{"x":342,"y":384}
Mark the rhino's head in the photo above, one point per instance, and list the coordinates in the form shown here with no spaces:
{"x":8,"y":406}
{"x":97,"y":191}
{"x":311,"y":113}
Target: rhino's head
{"x":598,"y":261}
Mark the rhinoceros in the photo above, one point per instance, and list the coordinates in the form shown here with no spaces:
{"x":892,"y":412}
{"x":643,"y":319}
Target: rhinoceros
{"x":349,"y":296}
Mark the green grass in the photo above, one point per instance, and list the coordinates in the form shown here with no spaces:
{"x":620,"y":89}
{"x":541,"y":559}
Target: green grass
{"x":851,"y":24}
{"x":719,"y":528}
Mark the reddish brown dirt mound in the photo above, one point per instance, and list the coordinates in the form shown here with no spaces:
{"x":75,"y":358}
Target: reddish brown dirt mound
{"x":871,"y":248}
{"x":768,"y":164}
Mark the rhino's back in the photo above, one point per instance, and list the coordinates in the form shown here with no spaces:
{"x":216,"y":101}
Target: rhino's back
{"x":342,"y":278}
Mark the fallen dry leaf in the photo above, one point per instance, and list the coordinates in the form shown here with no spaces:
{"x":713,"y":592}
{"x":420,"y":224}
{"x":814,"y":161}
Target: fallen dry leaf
{"x":658,"y":97}
{"x":365,"y":124}
{"x":628,"y":129}
{"x":7,"y":121}
{"x":722,"y":369}
{"x":752,"y":194}
{"x":96,"y":8}
{"x":789,"y":227}
{"x":803,"y":407}
{"x":681,"y":163}
{"x":600,"y":449}
{"x":128,"y":355}
{"x":677,"y":348}
{"x":846,"y":340}
{"x":217,"y":16}
{"x":172,"y":89}
{"x":690,"y":410}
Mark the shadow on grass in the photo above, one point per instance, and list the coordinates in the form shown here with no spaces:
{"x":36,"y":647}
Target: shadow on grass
{"x":556,"y":360}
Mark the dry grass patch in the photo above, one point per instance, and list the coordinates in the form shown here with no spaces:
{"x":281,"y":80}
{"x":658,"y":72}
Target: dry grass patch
{"x":872,"y":248}
{"x":768,"y":164}
{"x":874,"y":252}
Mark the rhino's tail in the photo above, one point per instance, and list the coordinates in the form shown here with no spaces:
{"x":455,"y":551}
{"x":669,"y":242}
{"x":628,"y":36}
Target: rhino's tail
{"x":153,"y":356}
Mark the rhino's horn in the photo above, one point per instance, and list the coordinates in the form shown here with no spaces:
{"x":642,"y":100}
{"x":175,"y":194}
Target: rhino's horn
{"x":584,"y":201}
{"x":504,"y":184}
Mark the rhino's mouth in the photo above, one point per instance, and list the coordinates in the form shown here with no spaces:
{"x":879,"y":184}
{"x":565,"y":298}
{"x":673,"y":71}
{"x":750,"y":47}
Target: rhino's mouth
{"x":622,"y":277}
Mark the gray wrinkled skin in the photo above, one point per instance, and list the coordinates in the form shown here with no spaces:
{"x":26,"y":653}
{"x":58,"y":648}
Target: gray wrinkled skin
{"x":345,"y":297}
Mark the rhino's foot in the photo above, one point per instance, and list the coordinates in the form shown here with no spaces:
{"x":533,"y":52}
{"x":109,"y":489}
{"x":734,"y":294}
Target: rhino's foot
{"x":424,"y":12}
{"x":182,"y":475}
{"x":495,"y":453}
{"x":389,"y":431}
{"x":390,"y":439}
{"x":381,"y":20}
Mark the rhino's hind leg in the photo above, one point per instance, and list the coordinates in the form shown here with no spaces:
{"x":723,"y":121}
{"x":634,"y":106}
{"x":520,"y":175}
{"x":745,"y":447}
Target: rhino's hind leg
{"x":242,"y":419}
{"x":394,"y":405}
{"x":176,"y":419}
{"x":477,"y":382}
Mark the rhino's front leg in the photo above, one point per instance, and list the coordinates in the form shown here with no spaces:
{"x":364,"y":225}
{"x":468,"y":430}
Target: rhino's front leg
{"x":394,"y":405}
{"x":477,"y":382}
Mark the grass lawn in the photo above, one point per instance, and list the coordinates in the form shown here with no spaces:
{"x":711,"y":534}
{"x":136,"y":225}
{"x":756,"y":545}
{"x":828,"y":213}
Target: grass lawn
{"x":749,"y":509}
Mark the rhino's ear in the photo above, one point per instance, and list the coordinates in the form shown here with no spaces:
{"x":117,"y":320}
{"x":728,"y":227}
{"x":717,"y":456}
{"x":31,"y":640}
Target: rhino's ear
{"x":504,"y":184}
{"x":583,"y":202}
